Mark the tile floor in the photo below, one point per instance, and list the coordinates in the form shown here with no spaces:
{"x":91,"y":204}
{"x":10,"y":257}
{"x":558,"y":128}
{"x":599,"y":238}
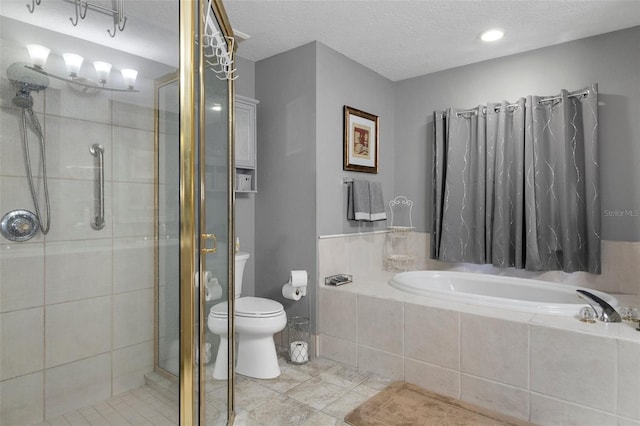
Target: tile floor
{"x":320,"y":392}
{"x":140,"y":406}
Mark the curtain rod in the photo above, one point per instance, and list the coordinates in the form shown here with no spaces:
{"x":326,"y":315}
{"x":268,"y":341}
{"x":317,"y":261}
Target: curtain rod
{"x":582,"y":94}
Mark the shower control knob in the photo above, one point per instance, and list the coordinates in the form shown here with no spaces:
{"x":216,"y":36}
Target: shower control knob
{"x":19,"y":225}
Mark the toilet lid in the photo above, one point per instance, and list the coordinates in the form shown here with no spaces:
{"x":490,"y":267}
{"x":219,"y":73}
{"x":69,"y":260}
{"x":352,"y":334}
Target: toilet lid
{"x":250,"y":307}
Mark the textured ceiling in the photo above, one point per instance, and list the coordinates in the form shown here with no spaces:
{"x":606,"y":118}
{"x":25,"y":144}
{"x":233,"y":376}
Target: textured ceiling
{"x":398,"y":39}
{"x":402,"y":39}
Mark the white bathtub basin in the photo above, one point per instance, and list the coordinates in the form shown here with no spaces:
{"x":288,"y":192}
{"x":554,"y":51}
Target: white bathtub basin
{"x":515,"y":294}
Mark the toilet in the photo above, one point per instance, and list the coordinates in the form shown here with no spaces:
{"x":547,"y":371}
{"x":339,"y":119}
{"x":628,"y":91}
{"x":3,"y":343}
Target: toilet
{"x":256,"y":321}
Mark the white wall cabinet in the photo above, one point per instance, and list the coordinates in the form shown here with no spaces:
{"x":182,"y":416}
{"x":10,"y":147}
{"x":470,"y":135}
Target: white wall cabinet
{"x":245,"y":153}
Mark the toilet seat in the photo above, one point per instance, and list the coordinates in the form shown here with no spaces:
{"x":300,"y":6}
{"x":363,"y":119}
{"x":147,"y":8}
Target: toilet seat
{"x":249,"y":307}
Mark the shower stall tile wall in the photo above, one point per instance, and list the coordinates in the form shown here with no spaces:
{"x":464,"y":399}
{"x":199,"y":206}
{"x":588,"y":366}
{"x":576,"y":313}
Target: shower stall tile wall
{"x":76,"y":306}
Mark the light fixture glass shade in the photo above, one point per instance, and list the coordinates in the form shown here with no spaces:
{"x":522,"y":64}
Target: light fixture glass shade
{"x":38,"y":54}
{"x":492,"y":35}
{"x":102,"y":69}
{"x":129,"y":77}
{"x":73,"y":63}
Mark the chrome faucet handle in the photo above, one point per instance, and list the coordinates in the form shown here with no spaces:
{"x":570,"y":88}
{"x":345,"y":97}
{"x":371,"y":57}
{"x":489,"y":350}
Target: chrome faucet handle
{"x":609,"y":314}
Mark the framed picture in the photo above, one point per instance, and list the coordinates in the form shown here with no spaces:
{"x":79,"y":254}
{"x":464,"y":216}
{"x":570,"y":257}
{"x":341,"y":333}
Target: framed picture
{"x":361,"y":141}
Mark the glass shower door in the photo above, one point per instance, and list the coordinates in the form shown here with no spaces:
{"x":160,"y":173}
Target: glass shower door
{"x":135,"y":189}
{"x":206,"y":218}
{"x":215,"y":250}
{"x":77,"y":299}
{"x":216,"y":224}
{"x":167,"y":340}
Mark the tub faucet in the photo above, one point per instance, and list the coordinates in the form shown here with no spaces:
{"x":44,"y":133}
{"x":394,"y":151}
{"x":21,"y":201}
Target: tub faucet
{"x":608,"y":313}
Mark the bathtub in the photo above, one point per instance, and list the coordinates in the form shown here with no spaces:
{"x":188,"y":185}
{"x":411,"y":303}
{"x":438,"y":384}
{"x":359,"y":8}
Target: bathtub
{"x":524,"y":295}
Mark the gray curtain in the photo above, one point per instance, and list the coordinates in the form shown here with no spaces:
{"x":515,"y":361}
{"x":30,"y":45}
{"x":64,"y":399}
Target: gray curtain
{"x":518,"y":184}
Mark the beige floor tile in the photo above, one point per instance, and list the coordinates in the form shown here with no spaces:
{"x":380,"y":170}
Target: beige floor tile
{"x":314,"y":367}
{"x":250,"y":395}
{"x":59,"y":421}
{"x":285,"y":381}
{"x":343,"y":405}
{"x":316,"y":392}
{"x":298,"y":372}
{"x":343,"y":376}
{"x":281,"y":411}
{"x":372,"y":385}
{"x":322,"y":419}
{"x":295,"y":398}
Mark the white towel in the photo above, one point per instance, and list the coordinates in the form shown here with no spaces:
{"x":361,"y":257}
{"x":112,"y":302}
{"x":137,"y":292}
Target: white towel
{"x":365,"y":202}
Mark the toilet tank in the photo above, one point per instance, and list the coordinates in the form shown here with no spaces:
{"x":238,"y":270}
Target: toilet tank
{"x":241,"y":261}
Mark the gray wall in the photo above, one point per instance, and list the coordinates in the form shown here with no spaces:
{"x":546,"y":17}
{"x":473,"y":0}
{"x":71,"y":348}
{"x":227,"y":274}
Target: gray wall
{"x":302,"y":92}
{"x":301,"y":194}
{"x":612,"y":60}
{"x":342,"y":81}
{"x":285,"y":202}
{"x":246,"y":203}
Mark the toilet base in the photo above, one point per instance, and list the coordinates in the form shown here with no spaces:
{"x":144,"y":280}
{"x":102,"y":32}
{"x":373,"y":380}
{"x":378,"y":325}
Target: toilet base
{"x":266,"y":367}
{"x":257,"y":357}
{"x":221,"y":364}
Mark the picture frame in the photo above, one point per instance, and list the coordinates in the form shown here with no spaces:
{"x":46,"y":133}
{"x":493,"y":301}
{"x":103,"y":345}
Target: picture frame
{"x":361,"y":141}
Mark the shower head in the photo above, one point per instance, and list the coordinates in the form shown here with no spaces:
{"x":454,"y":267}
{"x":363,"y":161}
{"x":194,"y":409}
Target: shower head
{"x":26,"y":80}
{"x":23,"y":99}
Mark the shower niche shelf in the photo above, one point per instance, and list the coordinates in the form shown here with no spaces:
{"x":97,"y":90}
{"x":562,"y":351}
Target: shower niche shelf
{"x":399,"y":253}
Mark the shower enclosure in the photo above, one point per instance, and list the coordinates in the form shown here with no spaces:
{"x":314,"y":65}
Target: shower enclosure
{"x":115,"y":199}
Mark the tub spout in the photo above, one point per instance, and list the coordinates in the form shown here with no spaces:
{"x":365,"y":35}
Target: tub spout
{"x":608,"y":313}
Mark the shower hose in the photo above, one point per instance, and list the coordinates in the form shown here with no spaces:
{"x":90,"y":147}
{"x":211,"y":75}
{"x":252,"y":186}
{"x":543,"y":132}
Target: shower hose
{"x":28,"y":117}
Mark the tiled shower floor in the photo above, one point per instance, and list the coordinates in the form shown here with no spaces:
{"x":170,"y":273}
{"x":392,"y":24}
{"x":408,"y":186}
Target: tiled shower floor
{"x":320,"y":392}
{"x":140,"y":406}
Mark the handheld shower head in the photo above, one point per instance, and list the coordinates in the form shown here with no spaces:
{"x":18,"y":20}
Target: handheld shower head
{"x":23,"y":99}
{"x":26,"y":80}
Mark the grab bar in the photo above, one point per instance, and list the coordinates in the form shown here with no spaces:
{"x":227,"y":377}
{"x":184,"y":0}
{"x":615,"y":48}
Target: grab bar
{"x":97,"y":222}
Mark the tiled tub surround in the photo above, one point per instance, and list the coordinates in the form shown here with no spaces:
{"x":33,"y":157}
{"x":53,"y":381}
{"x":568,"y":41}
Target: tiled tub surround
{"x":546,"y":369}
{"x":76,"y":305}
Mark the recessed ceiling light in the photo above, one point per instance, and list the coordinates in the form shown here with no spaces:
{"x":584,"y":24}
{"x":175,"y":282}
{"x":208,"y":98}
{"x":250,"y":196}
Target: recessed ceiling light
{"x":492,"y":35}
{"x":216,"y":107}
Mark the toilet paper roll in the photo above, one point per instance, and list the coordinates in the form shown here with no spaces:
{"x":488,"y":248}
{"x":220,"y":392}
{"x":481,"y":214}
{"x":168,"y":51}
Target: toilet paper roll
{"x":291,"y":293}
{"x":298,"y":278}
{"x":212,"y":288}
{"x":299,"y":352}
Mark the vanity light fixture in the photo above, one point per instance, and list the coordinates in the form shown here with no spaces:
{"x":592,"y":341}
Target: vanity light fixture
{"x":102,"y":70}
{"x":129,"y":77}
{"x":38,"y":55}
{"x":492,"y":35}
{"x":73,"y":63}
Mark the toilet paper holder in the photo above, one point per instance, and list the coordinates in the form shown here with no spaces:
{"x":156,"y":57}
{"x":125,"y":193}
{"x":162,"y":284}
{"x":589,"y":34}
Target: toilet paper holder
{"x":298,"y":280}
{"x":296,"y":287}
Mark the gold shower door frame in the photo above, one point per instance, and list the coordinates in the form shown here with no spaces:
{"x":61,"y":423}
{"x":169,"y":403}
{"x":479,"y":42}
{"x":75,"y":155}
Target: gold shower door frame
{"x":192,"y":216}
